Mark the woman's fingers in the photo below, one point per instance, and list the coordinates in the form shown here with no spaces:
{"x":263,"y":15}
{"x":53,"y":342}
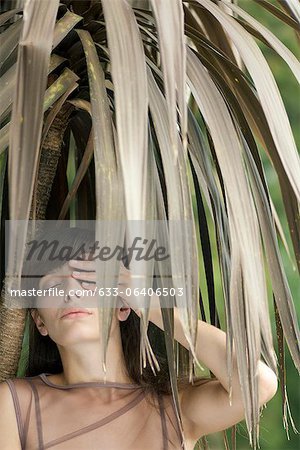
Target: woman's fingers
{"x":84,"y":276}
{"x":90,"y":266}
{"x":85,"y":271}
{"x":89,"y":286}
{"x":82,"y":264}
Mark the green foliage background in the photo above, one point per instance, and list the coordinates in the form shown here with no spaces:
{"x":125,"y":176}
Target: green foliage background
{"x":272,"y":433}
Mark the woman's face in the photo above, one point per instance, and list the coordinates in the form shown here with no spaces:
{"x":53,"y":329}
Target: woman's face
{"x":62,"y":325}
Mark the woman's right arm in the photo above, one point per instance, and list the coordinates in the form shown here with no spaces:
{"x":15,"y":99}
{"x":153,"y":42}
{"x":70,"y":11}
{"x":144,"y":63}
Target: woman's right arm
{"x":9,"y":435}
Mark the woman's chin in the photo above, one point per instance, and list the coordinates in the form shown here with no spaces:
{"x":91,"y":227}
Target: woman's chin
{"x":79,"y":336}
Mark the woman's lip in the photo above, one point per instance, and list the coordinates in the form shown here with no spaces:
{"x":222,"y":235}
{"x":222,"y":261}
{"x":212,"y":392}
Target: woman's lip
{"x":73,"y":315}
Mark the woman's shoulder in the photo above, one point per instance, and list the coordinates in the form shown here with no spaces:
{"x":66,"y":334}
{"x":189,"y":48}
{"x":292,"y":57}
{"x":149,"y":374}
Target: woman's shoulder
{"x":166,"y":397}
{"x":11,"y":384}
{"x":18,"y":388}
{"x":18,"y":382}
{"x":5,"y":391}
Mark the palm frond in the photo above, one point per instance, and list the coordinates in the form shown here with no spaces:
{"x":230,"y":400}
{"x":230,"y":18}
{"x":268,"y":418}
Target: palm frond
{"x":171,"y":104}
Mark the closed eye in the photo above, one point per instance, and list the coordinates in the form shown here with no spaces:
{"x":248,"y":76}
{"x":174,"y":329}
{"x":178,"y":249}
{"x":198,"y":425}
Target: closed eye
{"x":52,"y":287}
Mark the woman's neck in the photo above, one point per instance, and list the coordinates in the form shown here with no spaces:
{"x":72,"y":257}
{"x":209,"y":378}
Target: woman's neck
{"x":82,"y":363}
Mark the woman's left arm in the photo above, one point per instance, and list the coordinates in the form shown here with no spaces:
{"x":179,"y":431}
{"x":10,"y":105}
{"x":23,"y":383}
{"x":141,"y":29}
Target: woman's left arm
{"x":207,"y":406}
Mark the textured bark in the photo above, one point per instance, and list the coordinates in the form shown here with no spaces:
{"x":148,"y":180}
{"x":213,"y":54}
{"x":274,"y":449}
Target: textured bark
{"x":12,"y":320}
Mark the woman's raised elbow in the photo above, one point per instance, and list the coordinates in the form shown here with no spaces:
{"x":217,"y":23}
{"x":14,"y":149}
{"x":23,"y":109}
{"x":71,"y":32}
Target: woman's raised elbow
{"x":268,"y":384}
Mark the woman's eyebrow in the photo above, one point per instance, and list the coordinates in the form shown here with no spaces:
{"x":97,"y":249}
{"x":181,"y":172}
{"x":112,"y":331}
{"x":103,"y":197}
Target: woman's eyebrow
{"x":50,"y":276}
{"x":61,"y":274}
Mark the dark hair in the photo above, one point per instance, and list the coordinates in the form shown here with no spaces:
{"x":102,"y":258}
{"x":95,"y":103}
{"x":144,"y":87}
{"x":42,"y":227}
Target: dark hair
{"x":43,"y":352}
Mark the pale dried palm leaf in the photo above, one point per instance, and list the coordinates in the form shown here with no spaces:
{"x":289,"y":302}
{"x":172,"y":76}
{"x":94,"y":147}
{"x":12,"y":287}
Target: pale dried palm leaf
{"x":161,"y":269}
{"x":3,"y":162}
{"x":9,"y":40}
{"x":128,"y":70}
{"x":281,"y":233}
{"x":280,"y":286}
{"x":294,"y":7}
{"x":65,"y":83}
{"x":199,"y":154}
{"x":8,"y":79}
{"x":108,"y":186}
{"x":267,"y":90}
{"x":170,"y":25}
{"x":274,"y":42}
{"x":279,"y":14}
{"x":183,"y":244}
{"x":254,"y":114}
{"x":27,"y":116}
{"x":244,"y":224}
{"x":4,"y":17}
{"x":63,"y":26}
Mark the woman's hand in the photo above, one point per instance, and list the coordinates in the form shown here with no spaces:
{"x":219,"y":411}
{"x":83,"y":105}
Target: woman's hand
{"x":85,"y":272}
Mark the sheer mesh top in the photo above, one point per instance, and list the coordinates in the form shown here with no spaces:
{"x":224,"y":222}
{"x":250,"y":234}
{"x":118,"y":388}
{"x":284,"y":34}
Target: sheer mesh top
{"x":92,"y":415}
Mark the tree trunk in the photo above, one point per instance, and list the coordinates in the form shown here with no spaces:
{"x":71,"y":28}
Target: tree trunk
{"x":12,"y":320}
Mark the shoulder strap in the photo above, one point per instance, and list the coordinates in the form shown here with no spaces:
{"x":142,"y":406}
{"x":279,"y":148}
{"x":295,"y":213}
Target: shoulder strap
{"x":17,"y":408}
{"x":37,"y":414}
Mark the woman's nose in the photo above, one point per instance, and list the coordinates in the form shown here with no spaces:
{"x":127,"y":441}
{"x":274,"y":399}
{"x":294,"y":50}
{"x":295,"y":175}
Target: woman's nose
{"x":73,"y":289}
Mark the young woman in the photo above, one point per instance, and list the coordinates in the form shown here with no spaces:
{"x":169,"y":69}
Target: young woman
{"x":64,"y":402}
